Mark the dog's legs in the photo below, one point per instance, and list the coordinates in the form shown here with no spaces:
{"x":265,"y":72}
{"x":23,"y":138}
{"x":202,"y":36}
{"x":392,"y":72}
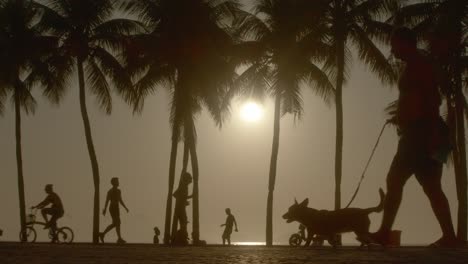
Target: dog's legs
{"x":310,"y":235}
{"x":364,"y":238}
{"x":332,"y":241}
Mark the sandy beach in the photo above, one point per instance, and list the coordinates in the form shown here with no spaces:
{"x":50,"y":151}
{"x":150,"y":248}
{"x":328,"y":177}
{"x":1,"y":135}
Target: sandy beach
{"x":16,"y":253}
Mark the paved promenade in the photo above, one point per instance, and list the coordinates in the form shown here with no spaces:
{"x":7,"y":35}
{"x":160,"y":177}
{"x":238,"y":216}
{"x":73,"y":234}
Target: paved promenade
{"x":15,"y":253}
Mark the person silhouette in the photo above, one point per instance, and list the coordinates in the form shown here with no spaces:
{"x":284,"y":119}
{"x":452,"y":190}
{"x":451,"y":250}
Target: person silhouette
{"x":156,"y":235}
{"x":181,"y":195}
{"x":56,"y":210}
{"x":114,"y":197}
{"x":423,"y":136}
{"x":230,"y":222}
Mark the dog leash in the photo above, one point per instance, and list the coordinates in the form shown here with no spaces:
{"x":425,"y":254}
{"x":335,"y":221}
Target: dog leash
{"x":367,"y":165}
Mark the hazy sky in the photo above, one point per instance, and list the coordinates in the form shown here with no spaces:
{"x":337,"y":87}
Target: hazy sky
{"x":234,"y":164}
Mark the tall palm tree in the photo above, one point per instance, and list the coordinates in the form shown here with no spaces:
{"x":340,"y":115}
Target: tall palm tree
{"x":23,"y":64}
{"x":278,"y":48}
{"x":354,"y":23}
{"x":185,"y":51}
{"x":446,"y":21}
{"x":89,"y":39}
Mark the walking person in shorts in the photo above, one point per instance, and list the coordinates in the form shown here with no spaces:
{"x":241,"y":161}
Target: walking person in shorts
{"x":114,"y":197}
{"x":230,"y":222}
{"x":423,"y":143}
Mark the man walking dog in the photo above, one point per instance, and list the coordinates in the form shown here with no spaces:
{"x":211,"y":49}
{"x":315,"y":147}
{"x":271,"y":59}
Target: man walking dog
{"x":423,"y":143}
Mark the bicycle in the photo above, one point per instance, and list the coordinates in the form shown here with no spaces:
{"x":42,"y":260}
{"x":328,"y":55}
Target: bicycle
{"x":56,"y":234}
{"x":296,"y":239}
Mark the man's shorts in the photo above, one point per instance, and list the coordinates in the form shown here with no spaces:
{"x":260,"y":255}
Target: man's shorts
{"x":115,"y":214}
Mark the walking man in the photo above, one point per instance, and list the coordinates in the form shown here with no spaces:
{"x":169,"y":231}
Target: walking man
{"x":114,"y":197}
{"x":423,"y":143}
{"x":230,"y":222}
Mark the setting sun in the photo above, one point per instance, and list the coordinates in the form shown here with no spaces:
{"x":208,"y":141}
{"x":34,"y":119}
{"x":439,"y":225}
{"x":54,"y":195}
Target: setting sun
{"x":251,"y":112}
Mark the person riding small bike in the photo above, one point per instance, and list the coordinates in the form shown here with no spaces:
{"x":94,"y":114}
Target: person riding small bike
{"x":55,"y":210}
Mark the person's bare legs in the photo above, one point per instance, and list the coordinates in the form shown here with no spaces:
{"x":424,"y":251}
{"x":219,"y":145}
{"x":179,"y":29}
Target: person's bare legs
{"x":103,"y":234}
{"x":117,"y":229}
{"x":430,"y":179}
{"x":396,"y":180}
{"x":44,"y":213}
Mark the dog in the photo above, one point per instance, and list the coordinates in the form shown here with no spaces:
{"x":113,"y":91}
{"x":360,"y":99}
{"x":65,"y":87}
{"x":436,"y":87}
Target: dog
{"x":327,"y":224}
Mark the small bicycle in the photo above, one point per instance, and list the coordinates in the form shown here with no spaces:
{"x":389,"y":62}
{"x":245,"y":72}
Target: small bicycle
{"x":56,"y":234}
{"x":296,"y":239}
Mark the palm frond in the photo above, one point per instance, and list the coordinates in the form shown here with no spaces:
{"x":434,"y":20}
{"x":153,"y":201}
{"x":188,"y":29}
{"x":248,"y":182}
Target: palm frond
{"x":318,"y":80}
{"x":249,"y":26}
{"x":111,"y":67}
{"x":372,"y":56}
{"x":157,"y":75}
{"x":98,"y":85}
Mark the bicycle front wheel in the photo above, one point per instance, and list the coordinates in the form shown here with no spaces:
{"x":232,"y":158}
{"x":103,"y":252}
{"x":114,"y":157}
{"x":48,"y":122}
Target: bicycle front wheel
{"x":295,"y":240}
{"x":28,"y":235}
{"x":65,"y":235}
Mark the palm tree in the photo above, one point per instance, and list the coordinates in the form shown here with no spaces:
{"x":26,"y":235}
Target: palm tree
{"x":354,"y":23}
{"x":24,"y":53}
{"x":89,"y":40}
{"x":278,"y":47}
{"x":446,"y":21}
{"x":185,"y":51}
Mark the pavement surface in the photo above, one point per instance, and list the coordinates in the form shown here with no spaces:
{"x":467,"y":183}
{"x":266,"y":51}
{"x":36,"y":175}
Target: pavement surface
{"x":41,"y":253}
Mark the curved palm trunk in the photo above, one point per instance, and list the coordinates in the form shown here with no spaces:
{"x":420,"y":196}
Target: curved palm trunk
{"x":91,"y":150}
{"x":195,"y":172}
{"x":184,"y":170}
{"x":272,"y":175}
{"x":19,"y":164}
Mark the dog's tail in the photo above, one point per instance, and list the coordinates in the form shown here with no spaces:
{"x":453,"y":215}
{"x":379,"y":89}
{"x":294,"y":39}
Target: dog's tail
{"x":379,"y":207}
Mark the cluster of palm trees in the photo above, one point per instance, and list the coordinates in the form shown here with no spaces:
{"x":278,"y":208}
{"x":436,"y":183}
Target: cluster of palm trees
{"x":207,"y":51}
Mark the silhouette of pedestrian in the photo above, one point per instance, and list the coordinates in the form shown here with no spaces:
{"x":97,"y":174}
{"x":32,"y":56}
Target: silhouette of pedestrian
{"x":423,"y":136}
{"x":181,"y":196}
{"x":156,"y":235}
{"x":56,"y":210}
{"x":230,"y":222}
{"x":114,"y":197}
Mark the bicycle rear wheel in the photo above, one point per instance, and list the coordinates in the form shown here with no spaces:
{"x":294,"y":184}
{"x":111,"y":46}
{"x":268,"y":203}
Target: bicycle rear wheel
{"x":29,"y":233}
{"x":65,"y":235}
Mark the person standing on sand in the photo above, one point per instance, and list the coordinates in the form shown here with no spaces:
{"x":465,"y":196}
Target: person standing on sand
{"x":181,"y":195}
{"x":114,"y":196}
{"x":230,"y":222}
{"x":423,"y":143}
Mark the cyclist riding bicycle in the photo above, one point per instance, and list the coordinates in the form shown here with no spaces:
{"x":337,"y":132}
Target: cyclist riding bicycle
{"x":55,"y":210}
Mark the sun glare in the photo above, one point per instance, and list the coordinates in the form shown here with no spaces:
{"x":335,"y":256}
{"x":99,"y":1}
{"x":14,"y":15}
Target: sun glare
{"x":251,"y":112}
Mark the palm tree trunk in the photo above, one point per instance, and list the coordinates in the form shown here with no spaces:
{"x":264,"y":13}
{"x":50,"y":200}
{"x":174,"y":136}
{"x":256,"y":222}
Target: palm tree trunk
{"x":172,"y":164}
{"x":184,"y":170}
{"x":272,"y":175}
{"x":195,"y":193}
{"x":339,"y":127}
{"x":341,"y":42}
{"x":19,"y":164}
{"x":91,"y":150}
{"x":461,"y":174}
{"x":461,"y":171}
